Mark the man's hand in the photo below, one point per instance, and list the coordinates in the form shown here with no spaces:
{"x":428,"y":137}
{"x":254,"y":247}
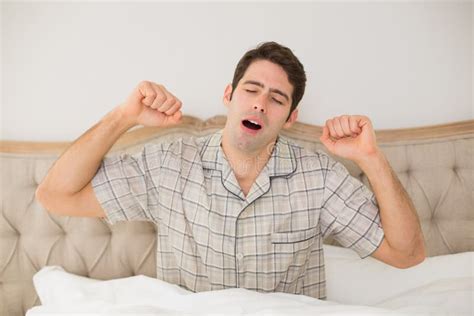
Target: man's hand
{"x":351,"y":137}
{"x":150,"y":104}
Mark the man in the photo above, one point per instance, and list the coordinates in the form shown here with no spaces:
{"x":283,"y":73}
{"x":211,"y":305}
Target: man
{"x":243,"y":207}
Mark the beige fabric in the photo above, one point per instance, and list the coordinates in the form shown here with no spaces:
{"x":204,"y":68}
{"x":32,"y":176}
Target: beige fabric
{"x":437,"y":173}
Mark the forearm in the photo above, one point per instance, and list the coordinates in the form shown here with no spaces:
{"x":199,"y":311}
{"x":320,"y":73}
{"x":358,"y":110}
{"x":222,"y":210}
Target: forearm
{"x":398,"y":214}
{"x":78,"y":164}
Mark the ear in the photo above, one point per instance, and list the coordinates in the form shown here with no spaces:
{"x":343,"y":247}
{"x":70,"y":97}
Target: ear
{"x":292,"y":119}
{"x":227,"y":93}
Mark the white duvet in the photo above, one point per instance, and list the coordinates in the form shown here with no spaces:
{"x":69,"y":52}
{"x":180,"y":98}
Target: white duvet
{"x":439,"y":286}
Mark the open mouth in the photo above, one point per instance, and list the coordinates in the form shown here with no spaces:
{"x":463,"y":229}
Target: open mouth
{"x":251,"y":125}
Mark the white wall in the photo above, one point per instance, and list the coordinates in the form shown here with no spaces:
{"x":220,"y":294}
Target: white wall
{"x":65,"y":64}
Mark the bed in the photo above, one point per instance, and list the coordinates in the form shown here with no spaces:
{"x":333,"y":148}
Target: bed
{"x":47,"y":259}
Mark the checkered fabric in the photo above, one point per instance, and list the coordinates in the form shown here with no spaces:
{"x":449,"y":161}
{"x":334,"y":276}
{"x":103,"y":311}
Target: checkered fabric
{"x":211,"y":236}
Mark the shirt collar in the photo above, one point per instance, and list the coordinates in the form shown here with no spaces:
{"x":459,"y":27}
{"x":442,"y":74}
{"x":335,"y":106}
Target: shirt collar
{"x":282,"y":161}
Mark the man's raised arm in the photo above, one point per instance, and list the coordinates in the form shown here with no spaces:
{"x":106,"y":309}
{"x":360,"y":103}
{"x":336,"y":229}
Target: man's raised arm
{"x":352,"y":137}
{"x":67,"y":189}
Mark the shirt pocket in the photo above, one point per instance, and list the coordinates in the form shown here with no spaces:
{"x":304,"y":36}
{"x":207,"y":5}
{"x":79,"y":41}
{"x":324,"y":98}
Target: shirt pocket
{"x":291,"y":251}
{"x":294,"y":237}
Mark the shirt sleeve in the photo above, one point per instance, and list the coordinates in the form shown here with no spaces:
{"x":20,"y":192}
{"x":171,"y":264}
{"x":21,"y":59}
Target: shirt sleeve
{"x":350,"y":212}
{"x":122,"y":184}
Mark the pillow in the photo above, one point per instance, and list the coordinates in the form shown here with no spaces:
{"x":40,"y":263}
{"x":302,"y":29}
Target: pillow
{"x":57,"y":287}
{"x":62,"y":281}
{"x":352,"y":280}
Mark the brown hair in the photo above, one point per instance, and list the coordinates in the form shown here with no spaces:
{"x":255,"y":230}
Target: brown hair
{"x":279,"y":55}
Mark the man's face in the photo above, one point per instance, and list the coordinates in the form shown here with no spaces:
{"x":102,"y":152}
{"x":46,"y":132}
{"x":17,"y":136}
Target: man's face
{"x":262,"y":96}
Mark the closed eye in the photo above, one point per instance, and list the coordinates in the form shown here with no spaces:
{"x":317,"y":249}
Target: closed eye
{"x":277,"y":101}
{"x":254,"y":91}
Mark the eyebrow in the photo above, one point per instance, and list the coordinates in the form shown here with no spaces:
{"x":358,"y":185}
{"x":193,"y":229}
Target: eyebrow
{"x":283,"y":94}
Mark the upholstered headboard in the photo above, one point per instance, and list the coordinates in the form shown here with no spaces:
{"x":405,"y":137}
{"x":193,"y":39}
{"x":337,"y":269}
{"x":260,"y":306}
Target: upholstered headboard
{"x":435,"y":164}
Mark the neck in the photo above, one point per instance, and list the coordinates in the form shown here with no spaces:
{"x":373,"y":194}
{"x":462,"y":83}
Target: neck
{"x":245,"y":164}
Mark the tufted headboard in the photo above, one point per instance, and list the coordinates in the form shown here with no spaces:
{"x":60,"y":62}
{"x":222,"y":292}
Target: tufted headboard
{"x":435,"y":164}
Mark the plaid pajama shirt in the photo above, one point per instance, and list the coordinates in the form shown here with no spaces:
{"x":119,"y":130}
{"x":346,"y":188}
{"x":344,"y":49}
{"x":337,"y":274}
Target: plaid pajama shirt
{"x":211,"y":236}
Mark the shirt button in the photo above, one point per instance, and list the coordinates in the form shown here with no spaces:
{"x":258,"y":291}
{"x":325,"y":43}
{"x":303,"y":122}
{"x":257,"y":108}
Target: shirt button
{"x":240,"y":256}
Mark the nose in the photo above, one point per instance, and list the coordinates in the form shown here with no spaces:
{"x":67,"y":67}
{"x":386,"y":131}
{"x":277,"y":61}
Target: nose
{"x":261,"y":105}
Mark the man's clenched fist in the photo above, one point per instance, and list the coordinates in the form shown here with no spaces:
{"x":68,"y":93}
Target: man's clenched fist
{"x":150,"y":104}
{"x":350,"y":136}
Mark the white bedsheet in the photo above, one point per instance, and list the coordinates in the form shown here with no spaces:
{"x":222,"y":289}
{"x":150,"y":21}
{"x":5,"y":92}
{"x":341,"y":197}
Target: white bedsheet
{"x":440,"y":285}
